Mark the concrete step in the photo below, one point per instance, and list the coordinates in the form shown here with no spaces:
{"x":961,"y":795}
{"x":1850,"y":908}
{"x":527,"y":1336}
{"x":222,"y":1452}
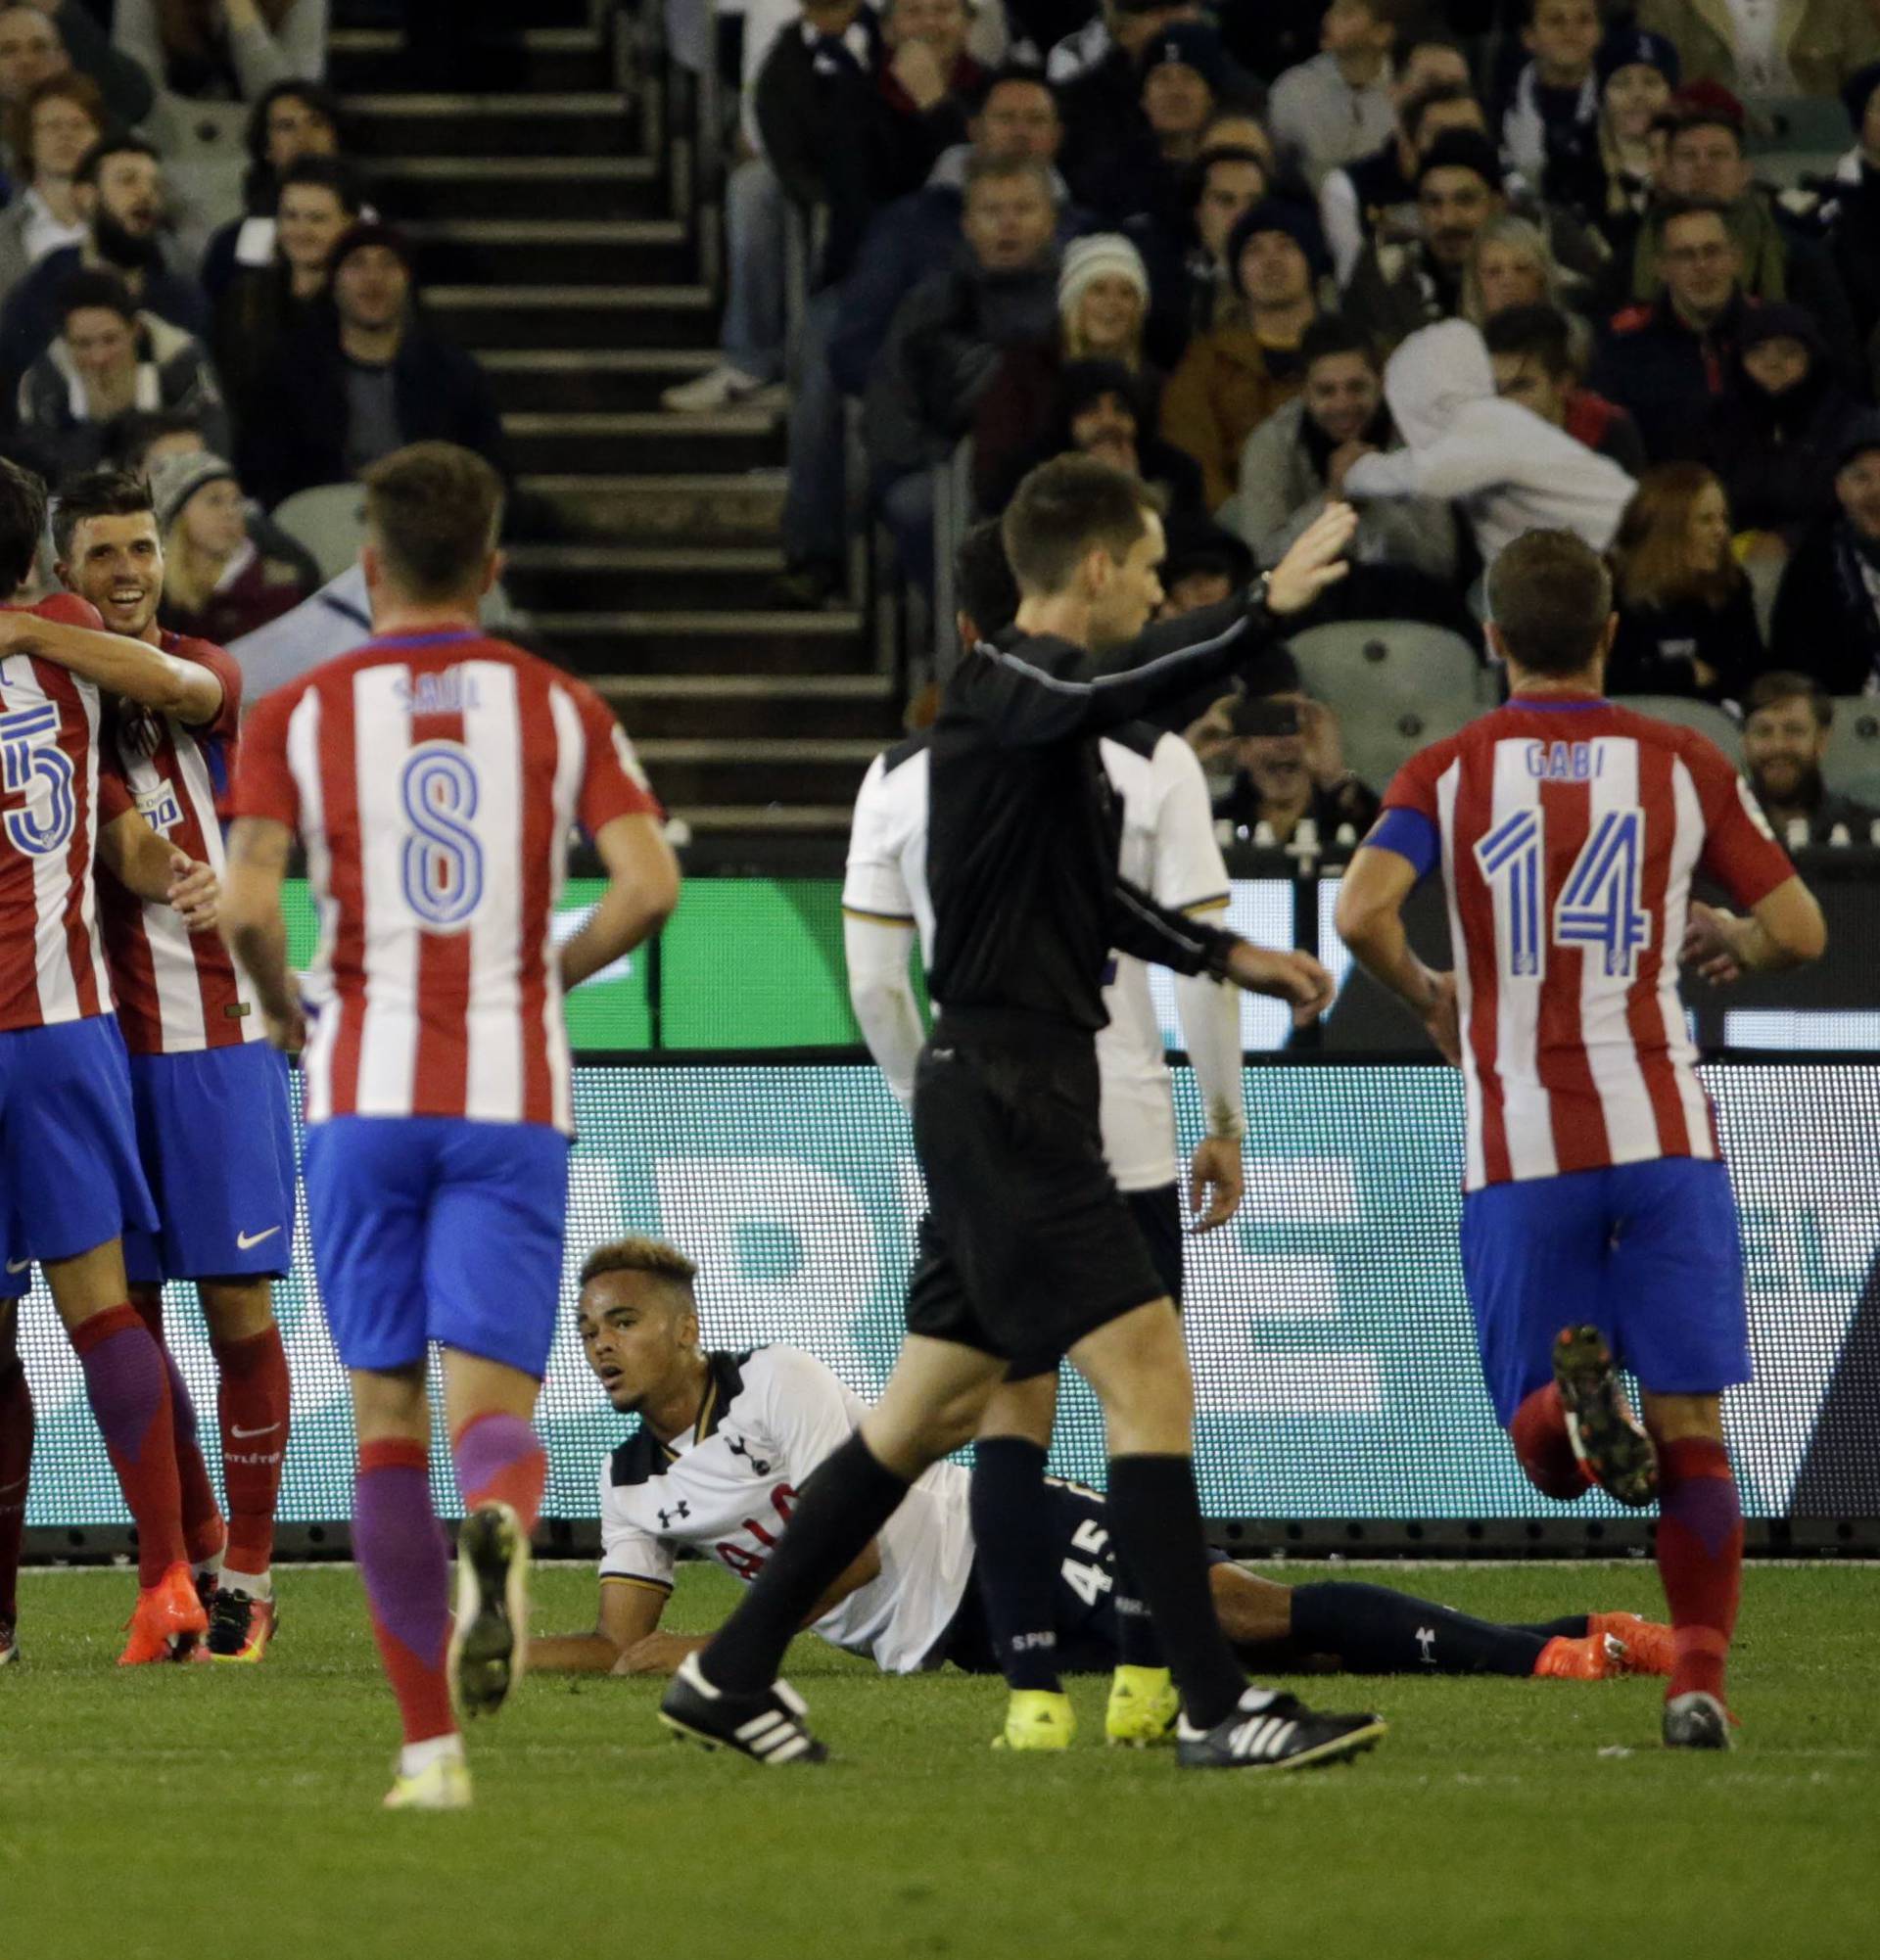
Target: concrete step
{"x":623,"y":578}
{"x":567,"y":123}
{"x":757,"y":771}
{"x":608,"y":380}
{"x":708,"y":643}
{"x":733,"y":441}
{"x":550,"y":58}
{"x":743,"y":707}
{"x":689,"y":509}
{"x":553,"y":316}
{"x":408,"y":188}
{"x":555,"y":252}
{"x":764,"y":828}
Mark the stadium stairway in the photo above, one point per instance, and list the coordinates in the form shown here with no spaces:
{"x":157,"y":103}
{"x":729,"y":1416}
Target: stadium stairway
{"x":554,"y":240}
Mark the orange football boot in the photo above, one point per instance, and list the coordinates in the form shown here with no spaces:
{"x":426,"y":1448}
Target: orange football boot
{"x":1650,"y":1646}
{"x":1595,"y":1656}
{"x":165,"y":1611}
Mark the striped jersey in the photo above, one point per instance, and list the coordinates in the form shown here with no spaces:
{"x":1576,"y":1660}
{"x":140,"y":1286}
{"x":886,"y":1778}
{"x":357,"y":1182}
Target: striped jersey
{"x":53,"y":799}
{"x":434,"y":780}
{"x":1568,"y":831}
{"x":179,"y":992}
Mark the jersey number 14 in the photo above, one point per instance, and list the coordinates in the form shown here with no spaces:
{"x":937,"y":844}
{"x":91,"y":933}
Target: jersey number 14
{"x":1599,"y":907}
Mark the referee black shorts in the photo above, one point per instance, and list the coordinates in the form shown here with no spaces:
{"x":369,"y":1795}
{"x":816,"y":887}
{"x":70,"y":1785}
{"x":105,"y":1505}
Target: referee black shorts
{"x":1028,"y":1245}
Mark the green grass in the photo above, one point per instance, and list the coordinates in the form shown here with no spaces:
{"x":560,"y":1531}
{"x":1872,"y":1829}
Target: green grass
{"x":166,"y":1811}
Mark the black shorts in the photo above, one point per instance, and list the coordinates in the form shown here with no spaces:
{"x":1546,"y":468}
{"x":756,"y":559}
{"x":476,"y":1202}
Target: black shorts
{"x":1028,"y":1245}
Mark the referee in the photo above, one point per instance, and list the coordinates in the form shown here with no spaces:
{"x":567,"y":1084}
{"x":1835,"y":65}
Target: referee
{"x":1029,"y":1247}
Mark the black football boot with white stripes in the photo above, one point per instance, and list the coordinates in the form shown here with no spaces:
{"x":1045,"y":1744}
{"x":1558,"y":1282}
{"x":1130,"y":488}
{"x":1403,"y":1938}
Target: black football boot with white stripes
{"x":768,"y":1726}
{"x":1270,"y":1731}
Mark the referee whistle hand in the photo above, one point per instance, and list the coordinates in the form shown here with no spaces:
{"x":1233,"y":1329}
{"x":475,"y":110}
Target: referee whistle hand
{"x":1315,"y":561}
{"x":195,"y":893}
{"x":1296,"y":978}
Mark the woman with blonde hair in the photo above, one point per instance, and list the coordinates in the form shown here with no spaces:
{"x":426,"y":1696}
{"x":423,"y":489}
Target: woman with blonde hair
{"x":1686,"y":618}
{"x":1510,"y":264}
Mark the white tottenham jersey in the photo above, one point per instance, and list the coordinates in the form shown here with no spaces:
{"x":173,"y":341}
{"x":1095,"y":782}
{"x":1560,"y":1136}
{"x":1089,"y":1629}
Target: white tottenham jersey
{"x":726,"y":1489}
{"x":1168,"y":850}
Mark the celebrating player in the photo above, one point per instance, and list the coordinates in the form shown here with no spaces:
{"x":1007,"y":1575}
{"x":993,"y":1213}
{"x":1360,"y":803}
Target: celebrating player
{"x":1028,"y":1248}
{"x":1570,"y":831}
{"x":918,"y":1595}
{"x":1168,"y":850}
{"x":69,"y":1165}
{"x":434,"y":776}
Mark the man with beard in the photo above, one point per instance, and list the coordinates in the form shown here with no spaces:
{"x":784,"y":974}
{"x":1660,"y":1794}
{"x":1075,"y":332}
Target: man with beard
{"x":119,"y":194}
{"x":1785,"y":735}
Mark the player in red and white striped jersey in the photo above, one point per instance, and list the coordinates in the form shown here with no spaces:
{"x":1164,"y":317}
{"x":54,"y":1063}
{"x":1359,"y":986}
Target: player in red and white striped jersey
{"x":434,"y":776}
{"x":1570,"y":832}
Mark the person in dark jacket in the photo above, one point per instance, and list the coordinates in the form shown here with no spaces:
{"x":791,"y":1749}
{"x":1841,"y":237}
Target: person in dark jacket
{"x":291,"y":120}
{"x":364,"y":379}
{"x":1190,"y":284}
{"x":38,"y":42}
{"x":1772,"y":434}
{"x":1852,"y":213}
{"x":1605,"y":179}
{"x":1827,"y":612}
{"x":1686,"y":618}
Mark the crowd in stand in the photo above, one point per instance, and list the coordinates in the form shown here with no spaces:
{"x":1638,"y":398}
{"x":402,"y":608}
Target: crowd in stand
{"x":240,"y":332}
{"x":1474,"y":266}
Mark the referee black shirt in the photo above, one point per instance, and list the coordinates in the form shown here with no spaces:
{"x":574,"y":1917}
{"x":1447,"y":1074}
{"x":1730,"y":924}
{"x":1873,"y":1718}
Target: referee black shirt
{"x":1024,"y":833}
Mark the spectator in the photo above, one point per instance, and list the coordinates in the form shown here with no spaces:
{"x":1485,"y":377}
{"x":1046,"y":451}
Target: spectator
{"x":1772,"y":434}
{"x":1375,"y":196}
{"x":1338,"y":106}
{"x":1202,"y":566}
{"x":1188,"y":278}
{"x":291,"y":120}
{"x":1289,"y":770}
{"x":1786,"y":723}
{"x":948,"y":335}
{"x":1532,"y":349}
{"x":1555,"y":102}
{"x":1103,"y":302}
{"x":1827,"y":612}
{"x":926,"y":89}
{"x":1139,"y":170}
{"x":217,"y":585}
{"x":1510,"y":263}
{"x":38,"y":41}
{"x":364,"y":379}
{"x":49,"y":136}
{"x":108,"y":361}
{"x":223,"y":50}
{"x":266,"y":306}
{"x":1232,"y":379}
{"x":119,"y":195}
{"x":1665,"y":363}
{"x":1605,"y":178}
{"x":1103,"y":408}
{"x":1808,"y":47}
{"x":1686,"y":620}
{"x":1114,"y":33}
{"x":1294,"y":464}
{"x":1853,"y":213}
{"x":1395,"y":288}
{"x":1510,"y":471}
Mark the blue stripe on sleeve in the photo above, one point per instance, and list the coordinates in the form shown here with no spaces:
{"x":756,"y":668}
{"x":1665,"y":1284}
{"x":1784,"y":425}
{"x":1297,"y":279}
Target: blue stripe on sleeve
{"x":1410,"y":834}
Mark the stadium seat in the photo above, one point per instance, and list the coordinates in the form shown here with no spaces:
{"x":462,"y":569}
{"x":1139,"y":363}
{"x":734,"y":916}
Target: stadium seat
{"x":1397,"y":686}
{"x":1852,"y":765}
{"x":1688,"y":714}
{"x":1807,"y":136}
{"x":329,"y":520}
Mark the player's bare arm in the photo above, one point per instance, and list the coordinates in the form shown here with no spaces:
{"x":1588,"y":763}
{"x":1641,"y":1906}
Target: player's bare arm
{"x":643,"y":888}
{"x":1296,"y":978}
{"x":1370,"y":921}
{"x":131,"y":667}
{"x":142,"y":862}
{"x":1786,"y":929}
{"x":630,"y":1613}
{"x":254,"y":929}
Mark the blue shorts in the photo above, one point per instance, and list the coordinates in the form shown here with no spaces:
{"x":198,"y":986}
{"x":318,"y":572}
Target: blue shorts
{"x":217,"y":1146}
{"x":1648,"y":1253}
{"x":430,"y":1228}
{"x":68,"y":1167}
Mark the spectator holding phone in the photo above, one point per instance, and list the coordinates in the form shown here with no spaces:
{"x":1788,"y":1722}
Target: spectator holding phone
{"x":1289,"y":768}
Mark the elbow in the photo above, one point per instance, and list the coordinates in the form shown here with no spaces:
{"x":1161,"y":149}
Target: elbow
{"x":659,"y":892}
{"x":1355,"y":918}
{"x":1805,"y":939}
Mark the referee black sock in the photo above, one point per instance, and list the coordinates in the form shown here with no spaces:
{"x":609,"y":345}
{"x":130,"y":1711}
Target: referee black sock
{"x":844,"y":1503}
{"x":1373,"y":1630}
{"x":1155,"y":1515}
{"x":1013,"y":1557}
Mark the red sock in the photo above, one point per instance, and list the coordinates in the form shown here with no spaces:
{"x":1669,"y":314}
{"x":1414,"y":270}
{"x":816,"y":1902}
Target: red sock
{"x":1539,"y":1436}
{"x":499,"y":1458}
{"x":15,"y":1473}
{"x":253,"y":1410}
{"x":400,"y":1550}
{"x":128,"y":1388}
{"x":203,"y":1532}
{"x":1700,"y":1558}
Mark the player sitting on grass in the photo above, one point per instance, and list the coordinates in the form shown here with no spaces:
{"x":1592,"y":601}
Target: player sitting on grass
{"x":726,"y":1441}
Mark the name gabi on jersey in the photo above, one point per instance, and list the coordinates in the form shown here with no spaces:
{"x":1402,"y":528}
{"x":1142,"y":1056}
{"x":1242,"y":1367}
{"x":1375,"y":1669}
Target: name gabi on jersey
{"x":1565,"y":762}
{"x":450,"y":692}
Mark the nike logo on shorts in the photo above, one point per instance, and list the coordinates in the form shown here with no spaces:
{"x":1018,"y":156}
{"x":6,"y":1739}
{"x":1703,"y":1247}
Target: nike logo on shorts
{"x":241,"y":1435}
{"x":246,"y":1241}
{"x":18,"y":1265}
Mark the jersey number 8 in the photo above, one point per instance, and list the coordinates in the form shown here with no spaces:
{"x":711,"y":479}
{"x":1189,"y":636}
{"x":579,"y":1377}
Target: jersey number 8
{"x":443,"y":861}
{"x":29,"y":756}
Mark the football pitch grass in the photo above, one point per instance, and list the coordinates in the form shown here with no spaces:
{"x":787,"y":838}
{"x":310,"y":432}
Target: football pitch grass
{"x":170,"y":1810}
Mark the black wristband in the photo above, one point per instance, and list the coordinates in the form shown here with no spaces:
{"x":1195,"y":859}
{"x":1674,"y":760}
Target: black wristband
{"x":1219,"y":950}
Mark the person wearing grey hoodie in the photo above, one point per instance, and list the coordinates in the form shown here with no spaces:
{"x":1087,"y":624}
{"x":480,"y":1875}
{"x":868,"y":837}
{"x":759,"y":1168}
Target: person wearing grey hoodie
{"x":1507,"y":469}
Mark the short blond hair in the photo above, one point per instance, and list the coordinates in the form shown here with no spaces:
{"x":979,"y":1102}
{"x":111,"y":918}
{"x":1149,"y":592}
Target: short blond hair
{"x":641,"y":1255}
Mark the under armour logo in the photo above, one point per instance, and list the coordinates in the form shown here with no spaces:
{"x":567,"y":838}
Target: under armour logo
{"x":1427,"y":1644}
{"x":680,"y":1509}
{"x":758,"y":1464}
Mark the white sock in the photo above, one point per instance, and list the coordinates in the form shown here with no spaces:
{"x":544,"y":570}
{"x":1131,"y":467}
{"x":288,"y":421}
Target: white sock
{"x":257,"y":1585}
{"x":211,"y":1569}
{"x":415,"y":1758}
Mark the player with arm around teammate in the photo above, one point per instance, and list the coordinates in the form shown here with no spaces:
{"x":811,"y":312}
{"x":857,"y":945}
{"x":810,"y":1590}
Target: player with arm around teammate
{"x":1599,"y":1229}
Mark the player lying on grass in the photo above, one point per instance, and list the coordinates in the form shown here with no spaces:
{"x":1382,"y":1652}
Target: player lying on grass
{"x":726,"y":1441}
